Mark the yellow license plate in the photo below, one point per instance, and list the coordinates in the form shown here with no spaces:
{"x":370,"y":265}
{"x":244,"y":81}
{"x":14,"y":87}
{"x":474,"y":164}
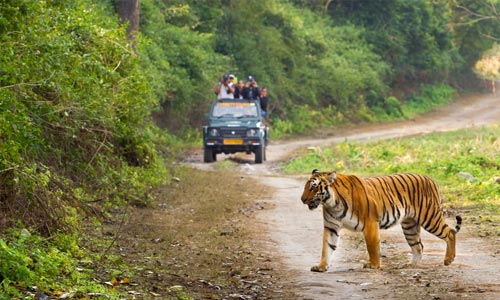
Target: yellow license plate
{"x":233,"y":141}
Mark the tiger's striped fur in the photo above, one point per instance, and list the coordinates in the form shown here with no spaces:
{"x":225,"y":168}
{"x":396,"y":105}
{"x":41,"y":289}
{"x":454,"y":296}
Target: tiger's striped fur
{"x":373,"y":203}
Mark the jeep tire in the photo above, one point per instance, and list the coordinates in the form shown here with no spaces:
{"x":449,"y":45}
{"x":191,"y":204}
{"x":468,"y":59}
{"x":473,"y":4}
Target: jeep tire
{"x":209,"y":155}
{"x":260,"y":154}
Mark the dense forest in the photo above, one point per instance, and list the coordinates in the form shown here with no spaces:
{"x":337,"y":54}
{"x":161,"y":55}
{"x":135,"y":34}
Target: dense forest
{"x":93,"y":103}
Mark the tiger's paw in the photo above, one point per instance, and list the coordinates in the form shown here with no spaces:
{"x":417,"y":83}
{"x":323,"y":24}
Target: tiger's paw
{"x":371,"y":266}
{"x":319,"y":268}
{"x":448,"y":261}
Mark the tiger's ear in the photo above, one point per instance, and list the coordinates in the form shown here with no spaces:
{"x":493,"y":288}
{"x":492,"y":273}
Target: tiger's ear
{"x":315,"y":171}
{"x":332,"y":177}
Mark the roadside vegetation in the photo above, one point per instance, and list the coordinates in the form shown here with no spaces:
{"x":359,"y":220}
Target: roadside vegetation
{"x":93,"y":119}
{"x":465,"y":163}
{"x":425,"y":98}
{"x":197,"y":243}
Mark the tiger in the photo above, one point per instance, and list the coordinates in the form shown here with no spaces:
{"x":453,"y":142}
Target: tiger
{"x":372,"y":203}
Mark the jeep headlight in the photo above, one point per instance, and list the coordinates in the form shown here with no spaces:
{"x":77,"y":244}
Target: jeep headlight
{"x":214,"y":132}
{"x":252,"y":132}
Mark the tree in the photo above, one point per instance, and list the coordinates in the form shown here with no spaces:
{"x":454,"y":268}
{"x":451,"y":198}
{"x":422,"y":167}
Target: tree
{"x":475,"y":26}
{"x":128,"y":10}
{"x":488,"y":67}
{"x":412,"y":36}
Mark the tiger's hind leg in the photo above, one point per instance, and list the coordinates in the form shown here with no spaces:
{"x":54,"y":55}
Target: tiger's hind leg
{"x":450,"y":248}
{"x":439,"y":228}
{"x":411,"y":230}
{"x":451,"y":241}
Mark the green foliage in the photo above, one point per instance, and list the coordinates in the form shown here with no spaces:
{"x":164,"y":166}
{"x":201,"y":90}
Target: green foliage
{"x":476,"y":29}
{"x":391,"y":109}
{"x":27,"y":260}
{"x":301,"y":57}
{"x":412,"y":36}
{"x":349,"y":56}
{"x":304,"y":118}
{"x":75,"y":110}
{"x":428,"y":98}
{"x":14,"y":266}
{"x":472,"y":151}
{"x":179,"y":61}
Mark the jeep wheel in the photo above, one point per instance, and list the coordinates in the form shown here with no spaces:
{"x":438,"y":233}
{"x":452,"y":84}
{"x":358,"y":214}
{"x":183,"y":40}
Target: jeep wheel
{"x":208,"y":155}
{"x":260,"y":153}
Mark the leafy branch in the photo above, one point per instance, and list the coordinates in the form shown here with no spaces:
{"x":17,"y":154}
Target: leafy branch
{"x":477,"y":16}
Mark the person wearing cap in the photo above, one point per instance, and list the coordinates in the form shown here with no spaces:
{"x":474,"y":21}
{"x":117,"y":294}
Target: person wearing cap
{"x":232,"y":82}
{"x":224,"y":89}
{"x":251,"y":89}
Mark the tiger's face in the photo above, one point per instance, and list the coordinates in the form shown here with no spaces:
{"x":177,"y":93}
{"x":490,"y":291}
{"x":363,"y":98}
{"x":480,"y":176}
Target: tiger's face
{"x":316,"y":190}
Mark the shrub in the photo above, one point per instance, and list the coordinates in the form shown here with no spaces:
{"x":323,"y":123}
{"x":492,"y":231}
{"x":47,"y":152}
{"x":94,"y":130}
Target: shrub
{"x":428,"y":98}
{"x":75,"y":114}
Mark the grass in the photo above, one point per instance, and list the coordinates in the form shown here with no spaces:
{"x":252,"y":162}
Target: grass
{"x":465,"y":163}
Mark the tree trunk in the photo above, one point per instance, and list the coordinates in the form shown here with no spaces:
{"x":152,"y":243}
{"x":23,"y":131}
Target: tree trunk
{"x":128,"y":10}
{"x":325,"y":9}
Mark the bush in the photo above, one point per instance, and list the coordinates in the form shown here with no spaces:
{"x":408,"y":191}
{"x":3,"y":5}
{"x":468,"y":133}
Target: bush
{"x":303,"y":119}
{"x":75,"y":114}
{"x":14,"y":264}
{"x":428,"y":98}
{"x":27,"y":260}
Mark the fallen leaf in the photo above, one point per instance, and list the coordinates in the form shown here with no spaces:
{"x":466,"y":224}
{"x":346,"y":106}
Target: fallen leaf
{"x":115,"y":281}
{"x":134,"y":293}
{"x":176,"y":288}
{"x":65,"y":296}
{"x":125,"y":280}
{"x":109,"y":283}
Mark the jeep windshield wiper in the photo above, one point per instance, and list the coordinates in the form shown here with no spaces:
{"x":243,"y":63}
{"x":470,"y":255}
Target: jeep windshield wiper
{"x":247,"y":116}
{"x":225,"y":115}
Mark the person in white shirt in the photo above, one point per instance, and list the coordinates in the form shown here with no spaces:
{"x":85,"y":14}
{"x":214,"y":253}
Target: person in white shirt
{"x":225,"y":88}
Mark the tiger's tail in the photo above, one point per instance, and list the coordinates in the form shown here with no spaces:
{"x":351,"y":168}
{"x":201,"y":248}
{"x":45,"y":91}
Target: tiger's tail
{"x":459,"y":224}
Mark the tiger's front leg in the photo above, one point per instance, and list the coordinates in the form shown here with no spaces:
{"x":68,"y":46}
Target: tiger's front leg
{"x":330,"y":240}
{"x":372,"y":239}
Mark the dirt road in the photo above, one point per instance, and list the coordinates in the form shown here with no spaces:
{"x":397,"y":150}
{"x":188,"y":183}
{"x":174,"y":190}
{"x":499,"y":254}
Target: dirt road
{"x":294,"y":232}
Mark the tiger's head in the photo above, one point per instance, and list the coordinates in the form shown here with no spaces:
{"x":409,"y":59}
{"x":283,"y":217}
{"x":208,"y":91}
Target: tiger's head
{"x":317,"y":189}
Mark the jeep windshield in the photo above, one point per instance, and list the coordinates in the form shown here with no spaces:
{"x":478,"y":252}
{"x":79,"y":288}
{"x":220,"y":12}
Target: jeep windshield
{"x":235,"y":110}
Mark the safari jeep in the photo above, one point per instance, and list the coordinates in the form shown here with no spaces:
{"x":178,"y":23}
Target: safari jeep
{"x":235,"y":125}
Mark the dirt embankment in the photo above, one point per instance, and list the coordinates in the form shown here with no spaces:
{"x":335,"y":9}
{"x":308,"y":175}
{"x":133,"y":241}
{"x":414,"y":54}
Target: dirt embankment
{"x":294,"y":233}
